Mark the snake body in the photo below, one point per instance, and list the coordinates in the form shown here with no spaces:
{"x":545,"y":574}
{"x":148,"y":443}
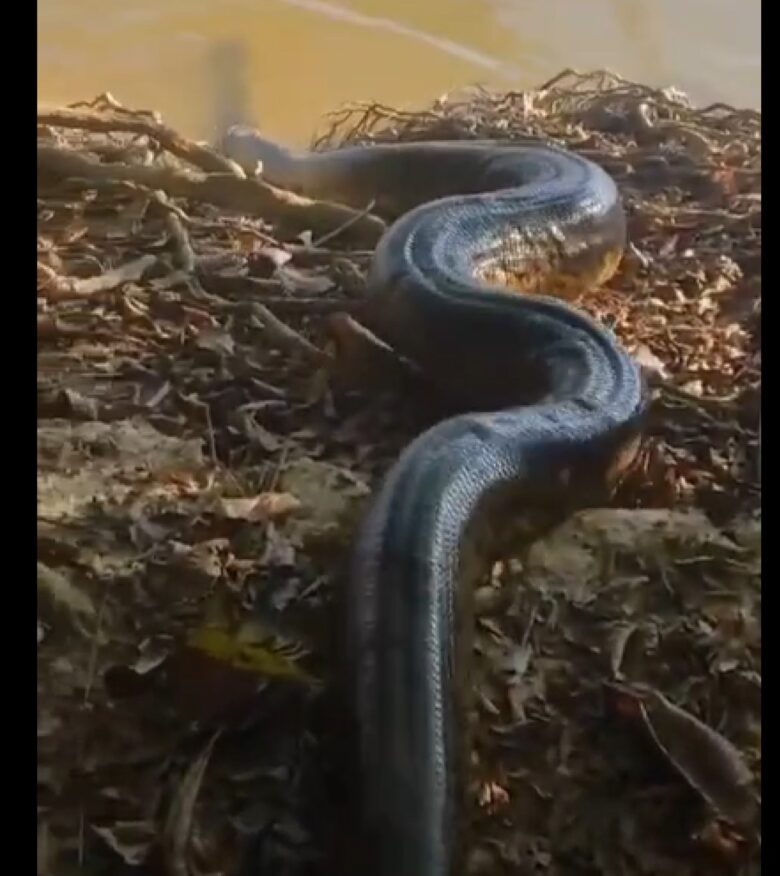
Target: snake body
{"x":556,"y":408}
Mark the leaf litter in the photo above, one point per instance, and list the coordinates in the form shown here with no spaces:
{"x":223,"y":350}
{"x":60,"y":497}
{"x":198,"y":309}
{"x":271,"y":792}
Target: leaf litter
{"x":204,"y":456}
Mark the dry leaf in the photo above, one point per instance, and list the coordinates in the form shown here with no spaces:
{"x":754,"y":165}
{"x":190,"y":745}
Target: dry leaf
{"x":265,"y":261}
{"x":649,"y":362}
{"x":707,"y":761}
{"x":279,"y":549}
{"x":82,"y":406}
{"x":492,"y":796}
{"x":258,"y":509}
{"x":296,"y":280}
{"x":217,"y":341}
{"x":331,"y":498}
{"x":178,"y":823}
{"x":618,"y":641}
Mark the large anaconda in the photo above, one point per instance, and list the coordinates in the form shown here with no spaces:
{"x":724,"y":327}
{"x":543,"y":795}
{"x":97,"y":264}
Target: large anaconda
{"x":474,"y":217}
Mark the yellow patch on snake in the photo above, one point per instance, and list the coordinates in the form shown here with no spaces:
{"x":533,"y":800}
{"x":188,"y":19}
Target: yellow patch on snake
{"x":544,"y":275}
{"x":546,"y":261}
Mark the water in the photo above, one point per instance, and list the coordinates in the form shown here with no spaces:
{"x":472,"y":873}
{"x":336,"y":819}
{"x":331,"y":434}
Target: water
{"x":305,"y":57}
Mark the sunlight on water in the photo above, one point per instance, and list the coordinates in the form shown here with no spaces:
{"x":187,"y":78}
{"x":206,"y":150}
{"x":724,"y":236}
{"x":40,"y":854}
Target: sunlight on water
{"x":303,"y":58}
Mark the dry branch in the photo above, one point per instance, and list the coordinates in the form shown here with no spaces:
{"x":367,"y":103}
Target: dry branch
{"x":55,"y":287}
{"x":200,"y":156}
{"x":248,"y":196}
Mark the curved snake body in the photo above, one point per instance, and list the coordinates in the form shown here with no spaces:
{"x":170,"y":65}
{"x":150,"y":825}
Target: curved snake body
{"x":556,"y":407}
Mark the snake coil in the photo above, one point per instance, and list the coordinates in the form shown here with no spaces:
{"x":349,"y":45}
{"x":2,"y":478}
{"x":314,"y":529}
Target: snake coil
{"x":555,"y":409}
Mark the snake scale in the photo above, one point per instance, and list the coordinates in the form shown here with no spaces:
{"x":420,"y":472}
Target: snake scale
{"x":555,"y":410}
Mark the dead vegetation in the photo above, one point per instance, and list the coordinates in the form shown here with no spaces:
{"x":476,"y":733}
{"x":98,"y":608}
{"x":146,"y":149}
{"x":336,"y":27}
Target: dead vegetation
{"x":199,"y":479}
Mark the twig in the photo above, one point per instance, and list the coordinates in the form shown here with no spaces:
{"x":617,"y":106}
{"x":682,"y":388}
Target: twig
{"x":201,"y":405}
{"x":250,"y":196}
{"x":56,"y":287}
{"x":214,"y":282}
{"x":349,"y":222}
{"x":184,"y":250}
{"x":177,"y":830}
{"x":241,"y":285}
{"x":212,"y":437}
{"x":702,"y":401}
{"x":285,"y":336}
{"x":307,"y":255}
{"x":159,"y":395}
{"x":200,"y":156}
{"x":299,"y":306}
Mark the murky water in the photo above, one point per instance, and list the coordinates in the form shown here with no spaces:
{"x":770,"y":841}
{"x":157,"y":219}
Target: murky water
{"x":305,"y":57}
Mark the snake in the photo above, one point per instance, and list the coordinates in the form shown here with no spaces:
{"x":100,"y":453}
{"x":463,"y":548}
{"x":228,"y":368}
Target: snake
{"x":473,"y":281}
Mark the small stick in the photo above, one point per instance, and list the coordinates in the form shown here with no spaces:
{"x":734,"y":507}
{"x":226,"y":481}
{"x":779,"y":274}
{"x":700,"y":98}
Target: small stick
{"x":241,"y":284}
{"x":184,"y":250}
{"x":351,"y":221}
{"x":200,"y":156}
{"x":56,"y":287}
{"x":249,"y":196}
{"x":298,"y":306}
{"x":285,"y":336}
{"x":281,"y":304}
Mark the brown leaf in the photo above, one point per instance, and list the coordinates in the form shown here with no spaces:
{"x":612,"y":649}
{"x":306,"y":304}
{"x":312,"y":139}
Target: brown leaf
{"x":492,"y":796}
{"x":649,"y":362}
{"x":726,"y":178}
{"x":719,"y":845}
{"x":260,"y":508}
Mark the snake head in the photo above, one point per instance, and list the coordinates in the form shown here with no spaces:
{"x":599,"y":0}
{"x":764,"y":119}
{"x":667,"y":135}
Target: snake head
{"x":257,"y":156}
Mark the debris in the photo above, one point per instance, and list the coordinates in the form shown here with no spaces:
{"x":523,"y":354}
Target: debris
{"x":195,"y":445}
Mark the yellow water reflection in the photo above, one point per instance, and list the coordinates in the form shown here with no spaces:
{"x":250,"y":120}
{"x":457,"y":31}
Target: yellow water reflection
{"x":305,"y":57}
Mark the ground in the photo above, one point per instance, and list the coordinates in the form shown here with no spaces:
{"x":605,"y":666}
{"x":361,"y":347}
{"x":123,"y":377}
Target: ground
{"x":202,"y":465}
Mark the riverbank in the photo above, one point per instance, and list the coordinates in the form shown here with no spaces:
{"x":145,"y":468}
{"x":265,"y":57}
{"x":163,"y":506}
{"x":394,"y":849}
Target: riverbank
{"x":201,"y":468}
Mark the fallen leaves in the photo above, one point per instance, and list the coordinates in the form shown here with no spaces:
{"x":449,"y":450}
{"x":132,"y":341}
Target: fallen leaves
{"x":330,"y":496}
{"x":261,"y":508}
{"x":193,"y":449}
{"x":639,"y":603}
